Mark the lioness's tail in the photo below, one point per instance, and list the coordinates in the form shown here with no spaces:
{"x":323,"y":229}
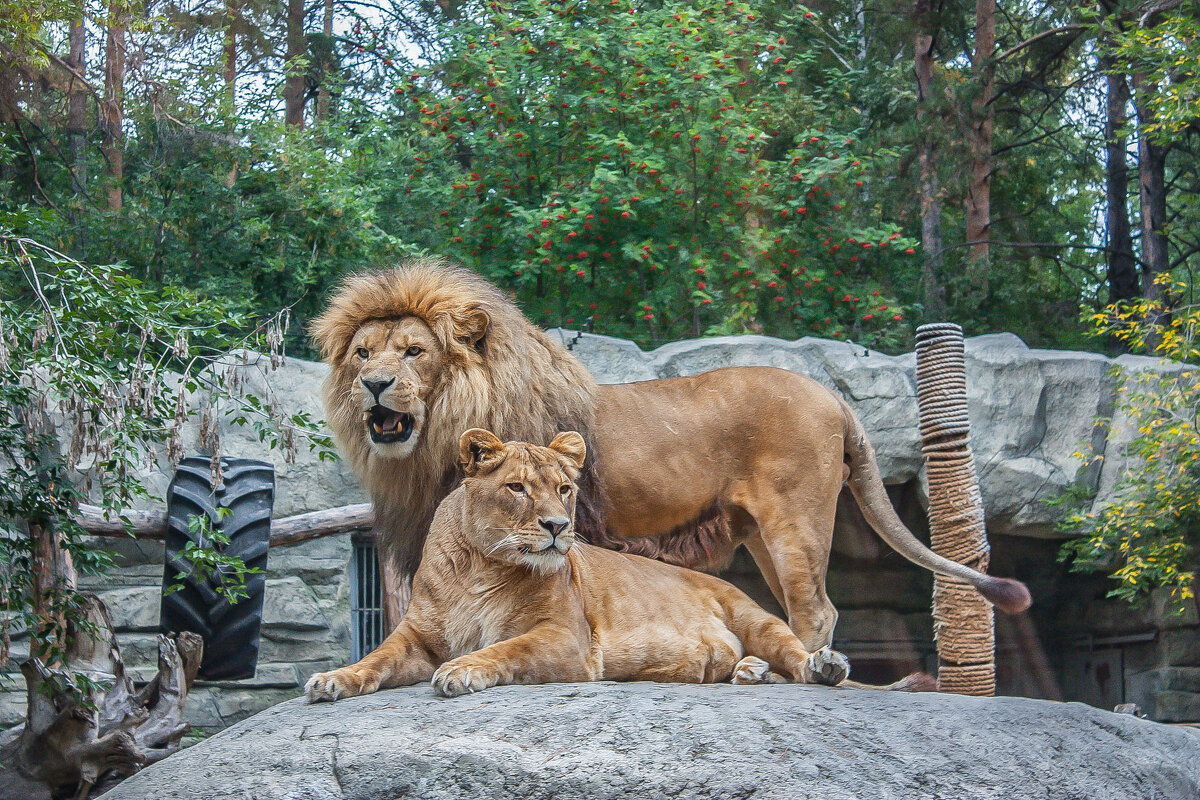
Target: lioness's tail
{"x":865,"y":482}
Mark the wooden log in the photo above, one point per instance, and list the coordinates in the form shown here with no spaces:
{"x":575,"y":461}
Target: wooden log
{"x":142,"y":524}
{"x":289,"y":530}
{"x":315,"y":524}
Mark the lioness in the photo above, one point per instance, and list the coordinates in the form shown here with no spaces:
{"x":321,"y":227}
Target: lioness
{"x":506,"y":594}
{"x":683,"y":469}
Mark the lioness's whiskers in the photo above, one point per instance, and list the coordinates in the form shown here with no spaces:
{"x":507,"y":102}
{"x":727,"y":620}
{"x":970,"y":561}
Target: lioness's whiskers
{"x":507,"y":540}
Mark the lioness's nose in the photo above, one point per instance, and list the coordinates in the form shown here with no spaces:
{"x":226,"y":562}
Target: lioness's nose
{"x":375,"y":387}
{"x":554,"y":525}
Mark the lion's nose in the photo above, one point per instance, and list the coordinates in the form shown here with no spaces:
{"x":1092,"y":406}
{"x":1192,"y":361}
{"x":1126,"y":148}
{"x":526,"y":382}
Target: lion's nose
{"x":375,"y":387}
{"x":554,"y":525}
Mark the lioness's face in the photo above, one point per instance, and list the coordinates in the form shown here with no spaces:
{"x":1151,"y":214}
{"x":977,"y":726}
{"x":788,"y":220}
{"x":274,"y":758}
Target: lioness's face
{"x":520,"y":498}
{"x":398,"y":362}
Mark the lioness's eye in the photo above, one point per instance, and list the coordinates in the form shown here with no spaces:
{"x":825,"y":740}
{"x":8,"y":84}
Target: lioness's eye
{"x":565,"y":489}
{"x":413,"y":351}
{"x":518,"y":488}
{"x":363,"y":352}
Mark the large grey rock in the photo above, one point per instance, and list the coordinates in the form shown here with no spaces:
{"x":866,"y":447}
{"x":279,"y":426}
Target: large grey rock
{"x":604,"y":740}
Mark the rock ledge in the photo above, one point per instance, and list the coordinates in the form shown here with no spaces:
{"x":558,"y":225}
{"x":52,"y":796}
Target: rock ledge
{"x":605,"y":740}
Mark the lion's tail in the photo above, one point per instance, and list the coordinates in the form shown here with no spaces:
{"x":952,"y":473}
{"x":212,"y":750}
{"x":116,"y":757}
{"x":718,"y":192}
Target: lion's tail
{"x":1008,"y":595}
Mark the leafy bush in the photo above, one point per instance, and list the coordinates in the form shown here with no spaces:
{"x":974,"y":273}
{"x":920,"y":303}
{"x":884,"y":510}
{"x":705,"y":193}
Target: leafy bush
{"x":1148,"y":534}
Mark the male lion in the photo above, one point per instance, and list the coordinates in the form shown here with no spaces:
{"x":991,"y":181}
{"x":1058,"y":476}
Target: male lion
{"x":681,"y":469}
{"x":505,"y":594}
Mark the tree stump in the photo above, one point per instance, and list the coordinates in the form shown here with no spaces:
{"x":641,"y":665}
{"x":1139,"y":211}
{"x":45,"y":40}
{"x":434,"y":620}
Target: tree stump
{"x":86,"y":728}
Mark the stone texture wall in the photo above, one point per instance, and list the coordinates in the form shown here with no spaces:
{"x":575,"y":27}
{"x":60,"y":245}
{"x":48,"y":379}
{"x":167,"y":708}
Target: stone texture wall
{"x":1030,"y":410}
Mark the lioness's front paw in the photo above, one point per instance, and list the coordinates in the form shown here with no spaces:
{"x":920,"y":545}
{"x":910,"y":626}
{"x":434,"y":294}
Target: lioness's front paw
{"x":753,"y":670}
{"x":828,"y":667}
{"x":462,"y":677}
{"x":344,"y":682}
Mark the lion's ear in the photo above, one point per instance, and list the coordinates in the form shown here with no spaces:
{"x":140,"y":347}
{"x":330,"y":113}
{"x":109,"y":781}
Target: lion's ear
{"x":570,"y":444}
{"x":473,"y":326}
{"x":479,"y":449}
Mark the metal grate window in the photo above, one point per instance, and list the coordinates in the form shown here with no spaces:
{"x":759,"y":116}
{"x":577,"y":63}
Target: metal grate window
{"x":366,"y":600}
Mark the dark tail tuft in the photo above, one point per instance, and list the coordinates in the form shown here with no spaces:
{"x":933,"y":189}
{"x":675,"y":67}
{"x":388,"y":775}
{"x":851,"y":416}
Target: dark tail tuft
{"x":917,"y":682}
{"x":1011,"y":597}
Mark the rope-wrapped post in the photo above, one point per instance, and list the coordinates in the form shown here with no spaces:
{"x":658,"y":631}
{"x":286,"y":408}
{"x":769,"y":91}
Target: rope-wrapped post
{"x":963,"y":627}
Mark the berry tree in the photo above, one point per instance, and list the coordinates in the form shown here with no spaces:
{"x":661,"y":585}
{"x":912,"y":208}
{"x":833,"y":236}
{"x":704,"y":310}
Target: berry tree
{"x":657,"y":172}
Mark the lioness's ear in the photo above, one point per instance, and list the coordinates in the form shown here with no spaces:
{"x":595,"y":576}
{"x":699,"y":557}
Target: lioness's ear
{"x":570,"y":444}
{"x":479,"y":449}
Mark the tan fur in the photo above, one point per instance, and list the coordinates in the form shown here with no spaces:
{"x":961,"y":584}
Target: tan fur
{"x":682,"y":469}
{"x":506,"y":594}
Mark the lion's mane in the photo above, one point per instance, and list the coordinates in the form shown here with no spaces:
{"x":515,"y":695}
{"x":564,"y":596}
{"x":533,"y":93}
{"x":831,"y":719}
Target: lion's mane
{"x":515,"y":380}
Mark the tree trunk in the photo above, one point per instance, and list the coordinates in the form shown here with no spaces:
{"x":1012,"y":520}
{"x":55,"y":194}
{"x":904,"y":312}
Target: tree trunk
{"x":53,"y":578}
{"x":293,"y":90}
{"x":327,"y":29}
{"x":928,"y":186}
{"x":1122,"y":264}
{"x":112,"y":111}
{"x":979,"y":142}
{"x":230,"y":75}
{"x":52,"y":571}
{"x":860,"y":24}
{"x":77,"y":108}
{"x":1152,"y":162}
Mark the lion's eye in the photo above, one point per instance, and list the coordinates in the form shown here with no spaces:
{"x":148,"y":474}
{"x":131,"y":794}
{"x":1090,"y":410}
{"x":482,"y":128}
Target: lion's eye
{"x":413,"y":351}
{"x":516,"y":488}
{"x":363,"y":352}
{"x":565,"y":489}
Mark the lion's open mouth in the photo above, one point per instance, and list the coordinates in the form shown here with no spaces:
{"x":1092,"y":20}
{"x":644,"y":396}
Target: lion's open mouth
{"x":387,"y":425}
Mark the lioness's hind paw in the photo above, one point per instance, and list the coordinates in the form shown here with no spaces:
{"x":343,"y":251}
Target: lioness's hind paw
{"x":752,"y":670}
{"x":828,"y":667}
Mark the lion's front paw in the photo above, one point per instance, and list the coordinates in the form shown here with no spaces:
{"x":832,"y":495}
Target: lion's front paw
{"x":753,"y":670}
{"x":462,"y":677}
{"x":344,"y":682}
{"x":828,"y":667}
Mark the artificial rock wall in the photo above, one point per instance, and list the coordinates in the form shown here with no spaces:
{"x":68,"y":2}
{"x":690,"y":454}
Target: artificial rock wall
{"x":1030,"y":411}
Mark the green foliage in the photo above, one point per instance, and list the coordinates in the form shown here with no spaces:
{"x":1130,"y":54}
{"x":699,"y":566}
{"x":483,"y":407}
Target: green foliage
{"x":205,"y":555}
{"x":656,"y":172}
{"x":21,"y":26}
{"x":264,"y":222}
{"x":1165,"y":48}
{"x":1147,"y":536}
{"x":95,"y":368}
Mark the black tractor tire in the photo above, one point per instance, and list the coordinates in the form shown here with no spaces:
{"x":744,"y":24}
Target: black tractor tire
{"x":230,"y":631}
